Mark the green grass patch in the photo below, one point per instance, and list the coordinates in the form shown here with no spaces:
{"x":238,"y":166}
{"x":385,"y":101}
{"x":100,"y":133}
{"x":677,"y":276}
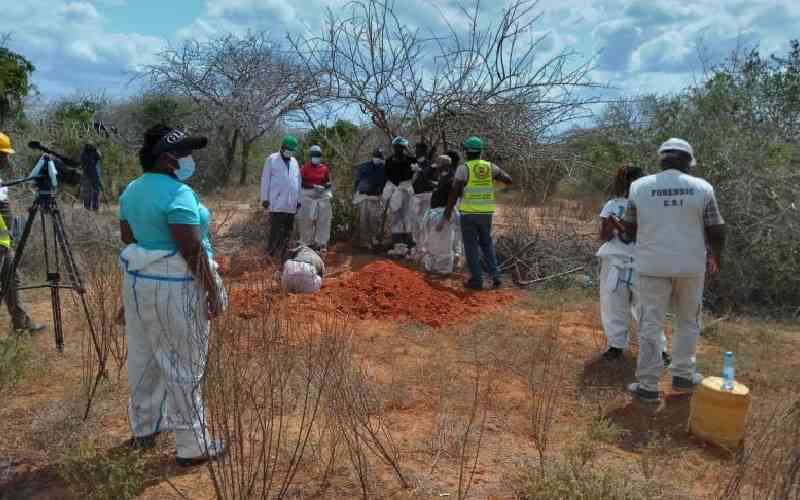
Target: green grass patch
{"x":108,"y":475}
{"x":16,"y":360}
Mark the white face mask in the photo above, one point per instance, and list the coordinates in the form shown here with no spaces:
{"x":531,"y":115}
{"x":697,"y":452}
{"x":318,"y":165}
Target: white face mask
{"x":378,"y":161}
{"x":316,"y":161}
{"x":186,"y":167}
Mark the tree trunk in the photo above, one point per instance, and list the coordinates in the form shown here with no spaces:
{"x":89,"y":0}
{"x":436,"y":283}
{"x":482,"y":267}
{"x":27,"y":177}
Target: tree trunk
{"x":230,"y":153}
{"x":245,"y":155}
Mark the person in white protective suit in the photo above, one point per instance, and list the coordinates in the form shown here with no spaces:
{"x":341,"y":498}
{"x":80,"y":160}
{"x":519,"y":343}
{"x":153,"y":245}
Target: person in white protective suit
{"x":397,"y":196}
{"x":679,"y":235}
{"x":316,"y":212}
{"x":618,"y":268}
{"x":370,"y":179}
{"x":171,"y":290}
{"x":441,"y":249}
{"x":424,"y":182}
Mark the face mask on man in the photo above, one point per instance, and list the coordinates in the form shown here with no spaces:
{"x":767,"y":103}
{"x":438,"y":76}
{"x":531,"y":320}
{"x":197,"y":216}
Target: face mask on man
{"x":316,"y":161}
{"x":186,"y":168}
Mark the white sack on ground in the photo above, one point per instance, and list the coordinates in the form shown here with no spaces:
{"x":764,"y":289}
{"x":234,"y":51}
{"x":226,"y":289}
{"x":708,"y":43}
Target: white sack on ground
{"x":300,"y":277}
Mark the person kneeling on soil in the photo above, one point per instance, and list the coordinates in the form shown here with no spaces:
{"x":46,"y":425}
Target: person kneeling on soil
{"x":618,"y":269}
{"x":303,"y":272}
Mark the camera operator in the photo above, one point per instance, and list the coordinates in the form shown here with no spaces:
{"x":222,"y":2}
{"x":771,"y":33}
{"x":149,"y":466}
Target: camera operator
{"x":20,"y":320}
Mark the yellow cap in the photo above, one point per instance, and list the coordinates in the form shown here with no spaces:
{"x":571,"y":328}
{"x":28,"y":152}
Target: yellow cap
{"x":5,"y":144}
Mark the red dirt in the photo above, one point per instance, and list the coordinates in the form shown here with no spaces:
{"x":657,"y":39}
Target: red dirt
{"x":385,"y":290}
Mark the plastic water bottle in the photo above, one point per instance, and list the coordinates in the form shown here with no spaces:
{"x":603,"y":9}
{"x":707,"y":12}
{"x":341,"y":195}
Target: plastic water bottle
{"x":728,"y":372}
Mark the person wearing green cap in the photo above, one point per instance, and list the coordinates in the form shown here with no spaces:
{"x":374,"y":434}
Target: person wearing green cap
{"x":280,"y":195}
{"x":473,"y":183}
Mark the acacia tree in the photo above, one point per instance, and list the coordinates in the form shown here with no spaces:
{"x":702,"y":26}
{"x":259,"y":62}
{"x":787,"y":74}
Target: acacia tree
{"x":15,"y":73}
{"x":492,"y":78}
{"x":243,"y":85}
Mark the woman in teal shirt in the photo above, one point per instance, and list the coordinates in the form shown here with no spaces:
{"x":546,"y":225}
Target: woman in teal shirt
{"x":170,"y":291}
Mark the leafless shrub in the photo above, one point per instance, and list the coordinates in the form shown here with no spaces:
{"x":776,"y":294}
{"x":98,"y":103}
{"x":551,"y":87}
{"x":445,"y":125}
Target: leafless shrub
{"x":360,"y":419}
{"x":545,"y":386}
{"x":104,"y":298}
{"x":544,"y":244}
{"x":470,"y":439}
{"x":267,"y":382}
{"x":768,"y":466}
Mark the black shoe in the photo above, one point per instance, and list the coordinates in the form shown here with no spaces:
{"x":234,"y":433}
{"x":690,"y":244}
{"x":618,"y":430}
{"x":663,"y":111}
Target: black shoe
{"x":667,"y":359}
{"x":643,"y":395}
{"x":497,"y":284}
{"x":216,"y":450}
{"x":473,"y":286}
{"x":686,"y":385}
{"x":31,"y":329}
{"x":612,"y":354}
{"x":142,"y":442}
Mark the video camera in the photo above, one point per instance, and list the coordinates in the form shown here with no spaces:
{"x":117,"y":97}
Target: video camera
{"x":51,"y":169}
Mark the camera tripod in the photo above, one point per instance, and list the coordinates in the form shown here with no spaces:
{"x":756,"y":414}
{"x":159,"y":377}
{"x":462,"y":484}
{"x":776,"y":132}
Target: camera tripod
{"x":57,"y":255}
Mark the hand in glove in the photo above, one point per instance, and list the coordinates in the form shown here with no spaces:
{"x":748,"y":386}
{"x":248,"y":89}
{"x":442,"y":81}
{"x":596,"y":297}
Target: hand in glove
{"x":319,"y":188}
{"x":416,"y":168}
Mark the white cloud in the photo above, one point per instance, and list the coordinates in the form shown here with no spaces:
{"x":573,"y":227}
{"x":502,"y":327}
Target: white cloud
{"x":72,"y":47}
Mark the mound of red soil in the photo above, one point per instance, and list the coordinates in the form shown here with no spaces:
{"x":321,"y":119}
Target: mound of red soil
{"x":386,"y":290}
{"x":382,"y":290}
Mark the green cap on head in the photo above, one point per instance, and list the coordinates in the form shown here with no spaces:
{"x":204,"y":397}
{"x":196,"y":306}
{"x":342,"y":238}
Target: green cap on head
{"x":473,"y":144}
{"x":289,"y":142}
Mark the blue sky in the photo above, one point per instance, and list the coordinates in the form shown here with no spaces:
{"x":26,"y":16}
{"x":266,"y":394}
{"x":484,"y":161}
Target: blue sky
{"x":641,"y":46}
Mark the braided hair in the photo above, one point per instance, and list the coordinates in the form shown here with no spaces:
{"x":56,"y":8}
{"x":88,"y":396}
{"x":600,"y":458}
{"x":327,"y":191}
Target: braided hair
{"x":151,"y":137}
{"x":623,"y":178}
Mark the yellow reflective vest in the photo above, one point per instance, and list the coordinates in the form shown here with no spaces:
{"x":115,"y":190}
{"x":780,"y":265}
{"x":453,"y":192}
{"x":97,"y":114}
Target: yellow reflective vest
{"x":478,"y":195}
{"x":5,"y":234}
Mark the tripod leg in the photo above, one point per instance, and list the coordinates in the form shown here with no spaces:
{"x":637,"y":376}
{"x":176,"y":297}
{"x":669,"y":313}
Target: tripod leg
{"x":62,"y":244}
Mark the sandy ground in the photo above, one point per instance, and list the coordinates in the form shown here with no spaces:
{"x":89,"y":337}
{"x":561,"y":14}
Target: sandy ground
{"x":409,"y":362}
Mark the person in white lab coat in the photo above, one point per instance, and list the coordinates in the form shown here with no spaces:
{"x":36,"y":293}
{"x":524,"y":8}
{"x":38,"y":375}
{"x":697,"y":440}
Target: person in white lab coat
{"x":280,"y":195}
{"x":679,"y":235}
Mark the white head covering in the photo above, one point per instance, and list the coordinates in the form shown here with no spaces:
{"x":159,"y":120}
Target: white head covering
{"x":676,"y":144}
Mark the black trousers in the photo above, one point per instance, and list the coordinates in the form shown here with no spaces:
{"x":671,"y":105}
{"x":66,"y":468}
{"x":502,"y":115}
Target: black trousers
{"x":19,"y":318}
{"x":280,"y":229}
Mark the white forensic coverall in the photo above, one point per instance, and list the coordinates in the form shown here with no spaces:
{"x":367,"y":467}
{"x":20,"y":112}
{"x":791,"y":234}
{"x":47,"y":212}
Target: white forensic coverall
{"x":166,"y":321}
{"x":440,"y":249}
{"x":314,"y":217}
{"x":618,"y":279}
{"x":369,"y":211}
{"x":671,"y":209}
{"x":398,"y":200}
{"x":420,"y":204}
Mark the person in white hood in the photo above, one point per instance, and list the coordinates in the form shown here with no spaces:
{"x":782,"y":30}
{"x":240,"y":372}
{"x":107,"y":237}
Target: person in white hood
{"x":679,"y":236}
{"x":618,"y":268}
{"x":280,"y":195}
{"x":170,"y":292}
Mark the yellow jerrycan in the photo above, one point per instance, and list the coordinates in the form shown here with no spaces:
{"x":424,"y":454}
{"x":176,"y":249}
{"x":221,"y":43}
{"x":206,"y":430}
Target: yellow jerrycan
{"x":719,"y":416}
